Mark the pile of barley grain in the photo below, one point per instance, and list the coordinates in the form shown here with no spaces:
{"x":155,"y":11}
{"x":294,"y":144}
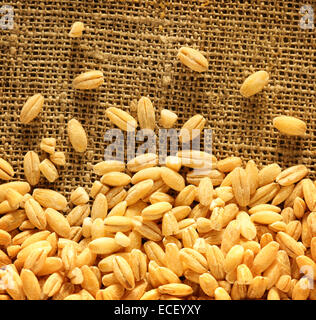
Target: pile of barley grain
{"x":152,"y":233}
{"x":220,"y":231}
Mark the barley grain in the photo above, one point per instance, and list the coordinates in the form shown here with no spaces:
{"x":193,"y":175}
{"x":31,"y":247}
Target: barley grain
{"x":88,"y":80}
{"x":193,"y":59}
{"x":290,"y":126}
{"x":76,"y":30}
{"x":254,"y":83}
{"x":167,"y":118}
{"x":31,"y":109}
{"x":146,"y":114}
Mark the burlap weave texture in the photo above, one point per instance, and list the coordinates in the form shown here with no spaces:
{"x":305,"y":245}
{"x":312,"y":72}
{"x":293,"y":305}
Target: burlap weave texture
{"x":135,"y":44}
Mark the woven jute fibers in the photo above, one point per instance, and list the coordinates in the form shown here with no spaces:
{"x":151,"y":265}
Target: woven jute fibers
{"x":135,"y":44}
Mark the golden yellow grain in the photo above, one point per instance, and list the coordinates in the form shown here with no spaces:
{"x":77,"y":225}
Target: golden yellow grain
{"x":233,"y":258}
{"x":221,"y":294}
{"x":265,"y":257}
{"x":175,"y":289}
{"x":90,"y":280}
{"x":123,"y":272}
{"x":32,"y":107}
{"x":193,"y":59}
{"x":192,"y":128}
{"x":58,"y":158}
{"x":88,"y":80}
{"x":121,"y":118}
{"x":290,"y":126}
{"x":291,"y":175}
{"x":146,"y":114}
{"x":30,"y":285}
{"x":167,"y":118}
{"x":76,"y":29}
{"x":173,"y":179}
{"x":254,"y":83}
{"x":100,"y":207}
{"x":77,"y":135}
{"x":31,"y":167}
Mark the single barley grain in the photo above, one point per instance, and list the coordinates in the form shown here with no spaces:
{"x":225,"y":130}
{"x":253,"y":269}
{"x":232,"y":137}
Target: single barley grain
{"x":173,"y":162}
{"x":48,"y":170}
{"x":31,"y":109}
{"x":290,"y":126}
{"x":88,"y":80}
{"x":58,"y":158}
{"x":57,"y":222}
{"x":167,"y":118}
{"x":175,"y":289}
{"x":77,"y":135}
{"x":50,"y":199}
{"x":146,"y":114}
{"x":6,"y":170}
{"x":76,"y":30}
{"x":121,"y":119}
{"x":192,"y":128}
{"x":254,"y":83}
{"x":79,"y":196}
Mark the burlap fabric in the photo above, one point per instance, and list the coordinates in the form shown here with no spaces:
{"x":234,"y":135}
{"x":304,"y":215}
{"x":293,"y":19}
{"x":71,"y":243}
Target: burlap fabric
{"x":135,"y":44}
